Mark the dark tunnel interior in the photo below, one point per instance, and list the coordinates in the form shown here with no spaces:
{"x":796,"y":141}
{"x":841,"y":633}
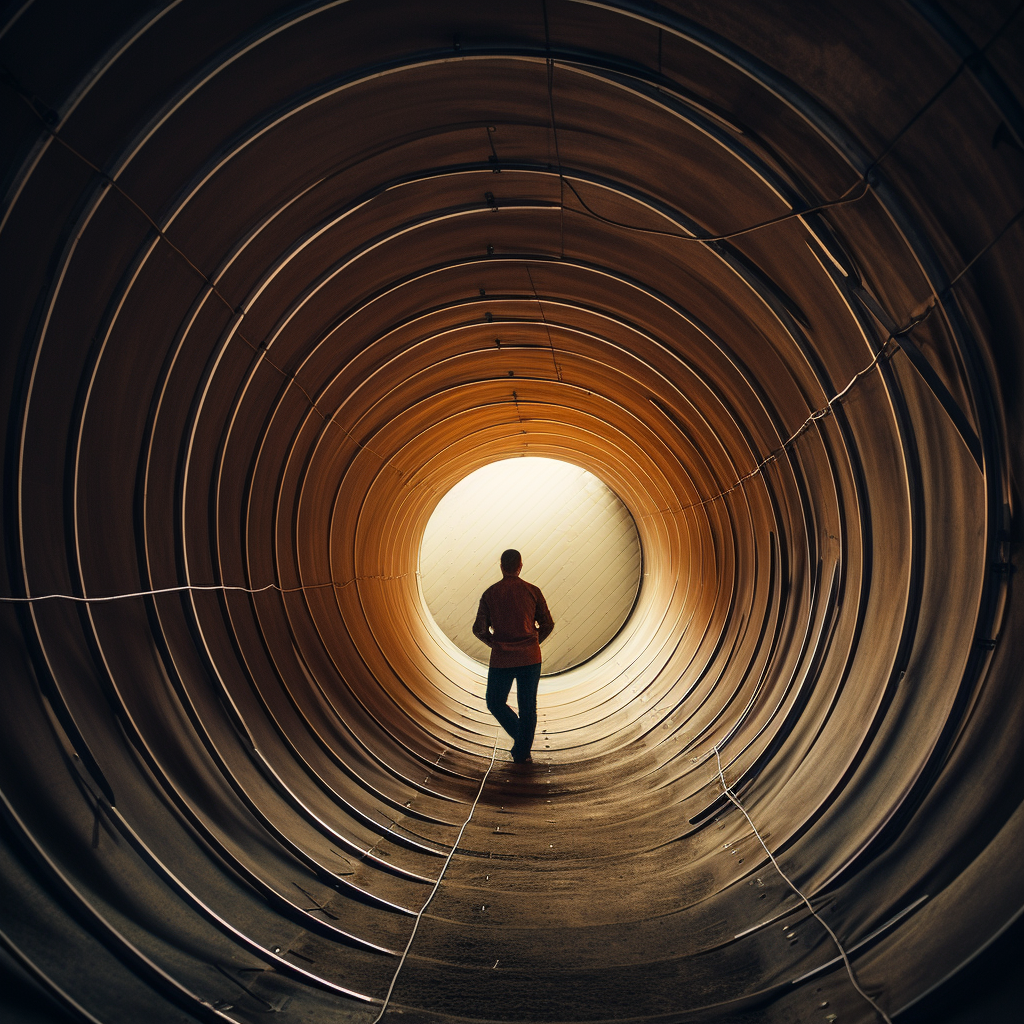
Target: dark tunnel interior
{"x":277,"y":275}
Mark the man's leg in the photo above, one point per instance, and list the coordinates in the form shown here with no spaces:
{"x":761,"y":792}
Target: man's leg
{"x":499,"y":682}
{"x":527,"y":679}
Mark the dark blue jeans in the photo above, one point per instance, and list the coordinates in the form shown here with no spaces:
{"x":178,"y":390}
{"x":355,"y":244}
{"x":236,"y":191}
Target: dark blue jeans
{"x":520,"y":727}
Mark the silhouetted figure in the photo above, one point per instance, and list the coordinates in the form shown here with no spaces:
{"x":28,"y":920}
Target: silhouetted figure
{"x":513,"y":620}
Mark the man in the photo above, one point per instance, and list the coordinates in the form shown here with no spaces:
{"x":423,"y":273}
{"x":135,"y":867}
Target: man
{"x":513,"y":620}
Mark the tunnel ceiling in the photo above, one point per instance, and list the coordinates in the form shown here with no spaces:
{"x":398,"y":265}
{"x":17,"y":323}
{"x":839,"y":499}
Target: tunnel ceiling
{"x":276,"y":277}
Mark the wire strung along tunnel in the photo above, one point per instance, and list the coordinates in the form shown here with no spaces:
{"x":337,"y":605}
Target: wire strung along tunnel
{"x":277,"y":276}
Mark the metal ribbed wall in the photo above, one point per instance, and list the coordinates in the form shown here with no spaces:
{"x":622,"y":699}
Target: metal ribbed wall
{"x":757,"y":268}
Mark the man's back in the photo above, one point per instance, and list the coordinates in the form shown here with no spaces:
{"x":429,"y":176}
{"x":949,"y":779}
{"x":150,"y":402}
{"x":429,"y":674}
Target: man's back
{"x":513,"y":619}
{"x":514,"y":609}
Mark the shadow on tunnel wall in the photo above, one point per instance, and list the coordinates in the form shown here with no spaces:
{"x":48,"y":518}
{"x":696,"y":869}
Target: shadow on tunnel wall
{"x":277,"y":276}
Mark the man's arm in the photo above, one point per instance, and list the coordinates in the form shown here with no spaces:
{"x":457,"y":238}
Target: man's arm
{"x":544,"y":621}
{"x":482,"y":626}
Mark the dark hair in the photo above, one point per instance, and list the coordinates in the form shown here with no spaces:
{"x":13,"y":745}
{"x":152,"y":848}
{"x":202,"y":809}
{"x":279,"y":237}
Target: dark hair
{"x":511,"y":560}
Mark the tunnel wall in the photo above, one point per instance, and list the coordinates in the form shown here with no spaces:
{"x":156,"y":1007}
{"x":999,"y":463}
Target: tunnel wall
{"x":277,"y":276}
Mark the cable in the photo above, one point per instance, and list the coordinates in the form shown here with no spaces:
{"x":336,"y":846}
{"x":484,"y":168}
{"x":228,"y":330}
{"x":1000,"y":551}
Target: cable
{"x":550,"y":61}
{"x":842,"y":200}
{"x":547,"y":326}
{"x":835,"y":938}
{"x":817,"y":415}
{"x":195,"y":586}
{"x":845,"y":198}
{"x":437,"y":884}
{"x":30,"y":102}
{"x":1009,"y":224}
{"x":827,"y":408}
{"x":946,"y":85}
{"x":563,"y":181}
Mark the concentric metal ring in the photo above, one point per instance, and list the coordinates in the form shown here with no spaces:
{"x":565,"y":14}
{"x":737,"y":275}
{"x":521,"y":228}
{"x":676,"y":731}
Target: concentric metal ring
{"x":279,"y":278}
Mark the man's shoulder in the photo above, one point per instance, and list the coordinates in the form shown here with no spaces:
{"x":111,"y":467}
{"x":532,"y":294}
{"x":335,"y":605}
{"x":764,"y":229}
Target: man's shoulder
{"x":533,"y":588}
{"x":510,"y":584}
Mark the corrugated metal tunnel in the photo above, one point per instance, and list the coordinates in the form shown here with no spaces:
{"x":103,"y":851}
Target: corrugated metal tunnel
{"x":278,"y":276}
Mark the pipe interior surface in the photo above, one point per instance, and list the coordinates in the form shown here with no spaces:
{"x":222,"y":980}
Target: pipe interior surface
{"x":278,"y":275}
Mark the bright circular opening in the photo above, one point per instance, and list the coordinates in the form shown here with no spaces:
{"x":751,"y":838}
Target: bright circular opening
{"x":578,"y":541}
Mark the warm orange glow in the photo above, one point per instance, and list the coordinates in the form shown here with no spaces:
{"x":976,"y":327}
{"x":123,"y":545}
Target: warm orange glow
{"x":279,"y":277}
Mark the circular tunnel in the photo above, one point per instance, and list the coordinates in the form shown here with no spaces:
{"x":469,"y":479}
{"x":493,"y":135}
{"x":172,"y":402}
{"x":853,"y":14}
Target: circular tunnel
{"x":278,"y":276}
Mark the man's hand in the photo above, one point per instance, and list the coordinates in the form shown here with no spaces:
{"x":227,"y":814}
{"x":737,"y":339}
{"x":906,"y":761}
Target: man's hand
{"x":543,"y":621}
{"x":482,"y":627}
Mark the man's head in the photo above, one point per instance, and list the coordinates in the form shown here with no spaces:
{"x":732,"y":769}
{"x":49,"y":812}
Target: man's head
{"x":511,"y":562}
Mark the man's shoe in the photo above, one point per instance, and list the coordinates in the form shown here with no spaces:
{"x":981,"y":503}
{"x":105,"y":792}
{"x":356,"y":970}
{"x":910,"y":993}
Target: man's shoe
{"x":522,"y":760}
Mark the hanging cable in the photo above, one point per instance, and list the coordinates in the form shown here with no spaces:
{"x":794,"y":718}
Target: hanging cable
{"x":564,"y":183}
{"x":961,"y":67}
{"x":196,"y":586}
{"x":814,"y":416}
{"x":547,"y":326}
{"x":863,"y":182}
{"x":437,"y":884}
{"x":835,"y":938}
{"x":554,"y":130}
{"x":970,"y":263}
{"x":260,"y":350}
{"x":841,"y":201}
{"x":827,"y":408}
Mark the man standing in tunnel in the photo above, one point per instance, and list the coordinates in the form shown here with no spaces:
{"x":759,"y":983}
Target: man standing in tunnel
{"x":513,"y":620}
